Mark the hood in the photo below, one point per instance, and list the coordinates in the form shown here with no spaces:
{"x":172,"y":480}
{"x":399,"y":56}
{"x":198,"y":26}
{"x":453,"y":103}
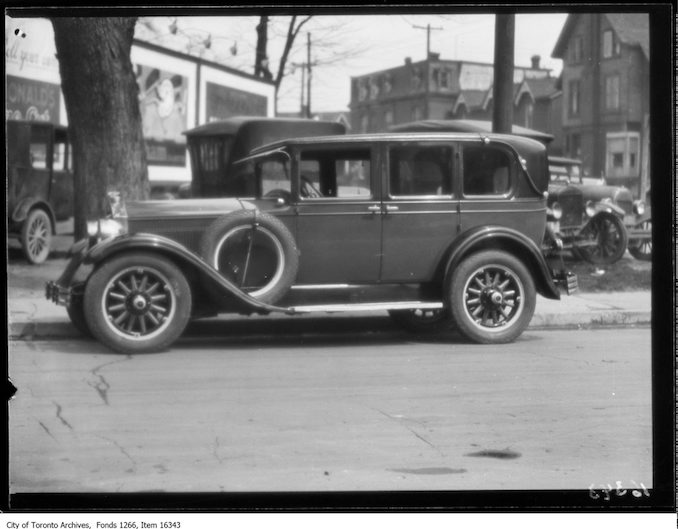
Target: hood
{"x":597,"y":193}
{"x":190,"y":207}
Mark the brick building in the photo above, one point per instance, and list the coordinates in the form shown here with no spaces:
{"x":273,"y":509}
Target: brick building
{"x":433,"y":89}
{"x":605,"y":115}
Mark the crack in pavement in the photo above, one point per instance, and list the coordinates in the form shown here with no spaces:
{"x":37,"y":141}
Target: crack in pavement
{"x":413,"y":432}
{"x":102,"y":386}
{"x":47,"y":430}
{"x":215,"y":450}
{"x":58,"y":414}
{"x":122,"y":451}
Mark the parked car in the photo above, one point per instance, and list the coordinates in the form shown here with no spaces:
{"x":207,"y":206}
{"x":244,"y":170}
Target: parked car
{"x":595,"y":221}
{"x":438,"y":229}
{"x":215,"y":146}
{"x":39,"y":185}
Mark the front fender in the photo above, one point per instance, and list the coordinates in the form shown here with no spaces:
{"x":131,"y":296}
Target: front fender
{"x":179,"y":253}
{"x":609,"y":207}
{"x":499,"y":237}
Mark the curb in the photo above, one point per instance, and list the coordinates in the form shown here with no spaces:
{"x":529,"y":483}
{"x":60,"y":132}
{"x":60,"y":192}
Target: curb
{"x":32,"y":330}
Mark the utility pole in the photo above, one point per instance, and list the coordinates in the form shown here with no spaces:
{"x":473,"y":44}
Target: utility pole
{"x":502,"y":89}
{"x":308,"y":76}
{"x":428,"y":29}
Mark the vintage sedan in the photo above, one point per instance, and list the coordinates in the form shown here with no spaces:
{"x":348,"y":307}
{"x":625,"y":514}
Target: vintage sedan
{"x":441,"y":230}
{"x":597,"y":222}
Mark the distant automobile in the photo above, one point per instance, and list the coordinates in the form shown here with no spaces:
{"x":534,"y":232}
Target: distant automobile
{"x":441,"y":230}
{"x":595,"y":221}
{"x":39,"y":184}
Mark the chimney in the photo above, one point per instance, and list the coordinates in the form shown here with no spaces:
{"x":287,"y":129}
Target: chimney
{"x":535,"y":62}
{"x":408,"y":60}
{"x":433,"y":56}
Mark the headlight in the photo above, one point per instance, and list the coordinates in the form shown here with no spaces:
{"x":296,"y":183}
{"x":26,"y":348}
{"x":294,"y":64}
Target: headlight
{"x":105,"y":228}
{"x":556,"y":211}
{"x":116,"y":204}
{"x":590,"y":209}
{"x":638,"y":207}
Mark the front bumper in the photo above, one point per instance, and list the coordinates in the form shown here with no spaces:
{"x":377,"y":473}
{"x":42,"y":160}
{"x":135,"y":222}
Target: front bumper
{"x":61,"y":290}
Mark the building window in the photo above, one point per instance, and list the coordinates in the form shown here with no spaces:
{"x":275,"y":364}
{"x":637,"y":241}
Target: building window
{"x":362,"y":89}
{"x":577,"y":53}
{"x":573,"y":98}
{"x":417,"y":114}
{"x":611,"y":46}
{"x":612,"y":92}
{"x":529,"y":112}
{"x":374,"y":87}
{"x":573,"y":145}
{"x":388,"y":118}
{"x":364,"y":123}
{"x":623,"y":154}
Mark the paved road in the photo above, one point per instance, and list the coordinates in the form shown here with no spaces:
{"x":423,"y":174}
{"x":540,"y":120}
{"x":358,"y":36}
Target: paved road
{"x":350,"y":410}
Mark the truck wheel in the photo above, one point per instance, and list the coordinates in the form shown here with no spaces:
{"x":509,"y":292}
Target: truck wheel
{"x":422,"y":321}
{"x":137,"y":303}
{"x":643,"y":250}
{"x":609,"y":234}
{"x":36,"y":236}
{"x":492,"y":297}
{"x":254,"y":251}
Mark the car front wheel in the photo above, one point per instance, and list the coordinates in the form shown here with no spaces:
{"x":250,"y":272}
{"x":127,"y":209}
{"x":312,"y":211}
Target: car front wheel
{"x":606,"y":237}
{"x":137,"y":303}
{"x":492,"y":297}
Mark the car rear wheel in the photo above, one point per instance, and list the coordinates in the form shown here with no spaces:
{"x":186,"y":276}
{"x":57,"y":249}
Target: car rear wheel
{"x":643,"y":250}
{"x":422,"y":320}
{"x":492,"y":297}
{"x":36,"y":236}
{"x":254,"y":251}
{"x":137,"y":303}
{"x":606,"y":237}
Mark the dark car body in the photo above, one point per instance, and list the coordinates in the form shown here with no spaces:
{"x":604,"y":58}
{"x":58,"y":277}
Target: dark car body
{"x":215,"y":146}
{"x":436,"y":228}
{"x":39,"y":184}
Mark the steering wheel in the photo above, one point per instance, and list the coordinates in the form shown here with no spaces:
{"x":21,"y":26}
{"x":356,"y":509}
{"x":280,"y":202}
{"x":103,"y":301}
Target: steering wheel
{"x":308,"y":190}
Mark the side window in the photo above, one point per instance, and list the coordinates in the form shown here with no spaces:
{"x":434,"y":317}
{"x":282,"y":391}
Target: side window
{"x":420,"y":170}
{"x":487,"y":171}
{"x":335,"y":173}
{"x":39,"y":146}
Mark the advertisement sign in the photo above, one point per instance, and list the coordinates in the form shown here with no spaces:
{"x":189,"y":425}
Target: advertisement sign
{"x":223,"y":102}
{"x":32,"y":100}
{"x":163,"y":104}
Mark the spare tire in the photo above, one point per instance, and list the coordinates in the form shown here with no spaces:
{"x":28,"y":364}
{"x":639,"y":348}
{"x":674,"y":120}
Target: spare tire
{"x":253,"y":250}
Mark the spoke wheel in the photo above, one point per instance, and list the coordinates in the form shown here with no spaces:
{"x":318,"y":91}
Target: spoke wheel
{"x":610,"y":237}
{"x":137,"y":303}
{"x":492,"y":297}
{"x":36,"y":236}
{"x":422,"y":320}
{"x":643,"y":251}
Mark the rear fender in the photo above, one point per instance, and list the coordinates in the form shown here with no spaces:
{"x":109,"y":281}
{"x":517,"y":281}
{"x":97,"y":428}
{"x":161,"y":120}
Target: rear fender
{"x":27,"y":204}
{"x":180,"y":255}
{"x":501,"y":238}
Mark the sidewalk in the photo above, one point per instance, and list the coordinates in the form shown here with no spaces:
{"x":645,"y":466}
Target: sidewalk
{"x":32,"y":316}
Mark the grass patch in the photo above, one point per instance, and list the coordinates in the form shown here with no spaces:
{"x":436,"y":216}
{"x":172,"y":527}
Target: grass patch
{"x":622,"y":276}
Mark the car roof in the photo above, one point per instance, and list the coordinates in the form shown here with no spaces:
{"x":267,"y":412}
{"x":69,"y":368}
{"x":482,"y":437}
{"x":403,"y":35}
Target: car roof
{"x":468,"y":125}
{"x":516,"y":141}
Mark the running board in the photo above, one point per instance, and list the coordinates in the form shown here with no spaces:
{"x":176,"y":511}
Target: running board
{"x":357,"y":307}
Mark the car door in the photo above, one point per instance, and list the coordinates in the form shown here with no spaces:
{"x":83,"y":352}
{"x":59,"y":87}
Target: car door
{"x":338,"y":224}
{"x":420,"y":218}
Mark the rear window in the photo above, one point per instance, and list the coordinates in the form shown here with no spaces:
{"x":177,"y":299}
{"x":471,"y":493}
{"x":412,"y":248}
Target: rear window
{"x":487,"y":170}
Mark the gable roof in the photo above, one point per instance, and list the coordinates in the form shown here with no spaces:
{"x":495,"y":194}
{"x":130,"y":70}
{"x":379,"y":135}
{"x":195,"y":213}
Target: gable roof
{"x":632,"y":29}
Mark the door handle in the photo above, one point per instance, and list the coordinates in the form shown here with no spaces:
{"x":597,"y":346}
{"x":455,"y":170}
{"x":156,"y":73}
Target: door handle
{"x":392,"y":208}
{"x":374,"y":208}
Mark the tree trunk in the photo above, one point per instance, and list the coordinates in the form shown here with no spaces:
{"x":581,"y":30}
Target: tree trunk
{"x":102,"y":103}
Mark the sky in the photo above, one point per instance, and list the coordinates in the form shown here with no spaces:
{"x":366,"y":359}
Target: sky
{"x":353,"y":45}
